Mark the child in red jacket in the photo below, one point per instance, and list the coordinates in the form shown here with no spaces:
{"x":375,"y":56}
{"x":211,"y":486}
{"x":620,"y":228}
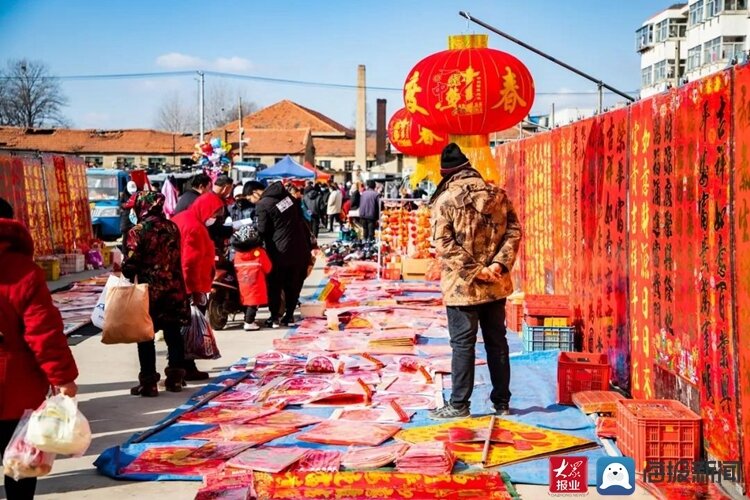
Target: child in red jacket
{"x":253,"y":265}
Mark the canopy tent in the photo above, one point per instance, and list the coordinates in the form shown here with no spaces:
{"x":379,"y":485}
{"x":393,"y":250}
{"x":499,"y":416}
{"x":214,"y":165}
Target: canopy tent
{"x":286,"y":169}
{"x":319,"y":174}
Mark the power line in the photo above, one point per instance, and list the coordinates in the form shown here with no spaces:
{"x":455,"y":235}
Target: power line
{"x":266,"y":79}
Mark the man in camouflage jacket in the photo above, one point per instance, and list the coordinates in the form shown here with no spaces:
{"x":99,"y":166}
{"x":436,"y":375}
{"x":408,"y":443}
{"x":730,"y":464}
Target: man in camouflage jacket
{"x":476,"y":234}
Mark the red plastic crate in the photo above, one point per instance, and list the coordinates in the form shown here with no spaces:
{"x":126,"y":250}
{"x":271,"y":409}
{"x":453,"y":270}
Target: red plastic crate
{"x":514,"y":316}
{"x":657,"y":430}
{"x":578,"y":371}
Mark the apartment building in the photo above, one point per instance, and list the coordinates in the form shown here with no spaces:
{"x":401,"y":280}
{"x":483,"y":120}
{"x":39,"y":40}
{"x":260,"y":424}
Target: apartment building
{"x":690,"y":40}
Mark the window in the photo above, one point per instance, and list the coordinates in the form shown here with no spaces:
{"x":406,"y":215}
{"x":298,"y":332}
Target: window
{"x":646,"y":79}
{"x":93,"y":161}
{"x":324,"y":164}
{"x":661,"y":31}
{"x":370,"y":164}
{"x":696,"y":13}
{"x":277,"y":159}
{"x":712,"y":8}
{"x":660,"y":71}
{"x":644,"y":37}
{"x":711,"y":51}
{"x":731,"y":5}
{"x":732,"y":48}
{"x":677,"y":28}
{"x":156,"y":162}
{"x":694,"y":58}
{"x":255,"y":160}
{"x":349,"y":165}
{"x":102,"y":187}
{"x":125,"y":161}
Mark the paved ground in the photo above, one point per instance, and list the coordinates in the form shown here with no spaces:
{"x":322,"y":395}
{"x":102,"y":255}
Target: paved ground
{"x":107,"y":373}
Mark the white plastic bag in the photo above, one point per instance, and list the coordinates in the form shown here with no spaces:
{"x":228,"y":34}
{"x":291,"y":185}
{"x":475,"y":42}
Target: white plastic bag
{"x":21,"y":459}
{"x":97,"y":315}
{"x":57,"y":426}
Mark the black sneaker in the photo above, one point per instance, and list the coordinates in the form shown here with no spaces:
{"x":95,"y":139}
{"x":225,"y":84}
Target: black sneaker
{"x":502,"y":410}
{"x":448,"y":412}
{"x":271,"y":323}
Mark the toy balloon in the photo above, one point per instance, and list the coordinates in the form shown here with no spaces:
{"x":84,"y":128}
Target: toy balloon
{"x":216,"y":142}
{"x":228,"y":148}
{"x":213,"y":157}
{"x":219,"y":151}
{"x":207,"y":148}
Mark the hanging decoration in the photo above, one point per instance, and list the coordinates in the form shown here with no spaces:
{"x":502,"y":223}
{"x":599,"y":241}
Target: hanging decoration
{"x":214,"y":155}
{"x":412,"y":134}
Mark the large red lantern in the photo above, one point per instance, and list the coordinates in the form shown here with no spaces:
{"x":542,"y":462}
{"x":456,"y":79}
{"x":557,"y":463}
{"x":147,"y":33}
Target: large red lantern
{"x":414,"y":136}
{"x":472,"y":90}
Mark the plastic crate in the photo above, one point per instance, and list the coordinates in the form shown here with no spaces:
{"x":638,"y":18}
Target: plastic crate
{"x":72,"y":263}
{"x":514,"y":316}
{"x":577,"y":371}
{"x":546,"y":338}
{"x":51,"y":267}
{"x":657,"y":430}
{"x":546,"y":305}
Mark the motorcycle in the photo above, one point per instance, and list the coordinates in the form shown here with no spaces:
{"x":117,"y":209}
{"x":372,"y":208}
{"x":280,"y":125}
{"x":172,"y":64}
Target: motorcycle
{"x":224,"y":300}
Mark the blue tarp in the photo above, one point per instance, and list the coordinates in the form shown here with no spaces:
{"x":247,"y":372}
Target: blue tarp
{"x":286,"y":169}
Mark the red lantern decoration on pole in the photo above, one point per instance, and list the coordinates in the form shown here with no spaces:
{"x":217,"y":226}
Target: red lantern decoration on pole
{"x":470,"y":90}
{"x":413,"y":135}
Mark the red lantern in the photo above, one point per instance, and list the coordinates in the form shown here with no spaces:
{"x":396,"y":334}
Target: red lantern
{"x":413,"y":135}
{"x":470,"y":91}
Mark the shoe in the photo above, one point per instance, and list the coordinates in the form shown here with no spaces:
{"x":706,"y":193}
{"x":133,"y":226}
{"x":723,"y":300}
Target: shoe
{"x":502,"y":410}
{"x":146,"y":386}
{"x":251,"y":327}
{"x":271,"y":323}
{"x":175,"y":379}
{"x":448,"y":412}
{"x":286,"y":322}
{"x":192,"y":373}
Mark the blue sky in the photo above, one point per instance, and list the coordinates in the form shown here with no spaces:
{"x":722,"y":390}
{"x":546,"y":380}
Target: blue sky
{"x":310,"y":40}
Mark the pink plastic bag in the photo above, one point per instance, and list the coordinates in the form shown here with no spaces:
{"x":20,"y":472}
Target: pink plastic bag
{"x":22,"y":459}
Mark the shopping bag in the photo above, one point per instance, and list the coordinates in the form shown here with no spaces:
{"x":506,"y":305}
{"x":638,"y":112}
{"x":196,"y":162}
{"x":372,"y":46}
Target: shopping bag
{"x":22,"y":459}
{"x":97,"y":315}
{"x":126,"y":316}
{"x":58,"y":426}
{"x":199,"y":338}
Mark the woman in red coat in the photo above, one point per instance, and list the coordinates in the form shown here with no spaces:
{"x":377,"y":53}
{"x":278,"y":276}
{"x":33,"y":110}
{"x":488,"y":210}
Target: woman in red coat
{"x":198,"y":256}
{"x":253,"y":265}
{"x":34,"y":352}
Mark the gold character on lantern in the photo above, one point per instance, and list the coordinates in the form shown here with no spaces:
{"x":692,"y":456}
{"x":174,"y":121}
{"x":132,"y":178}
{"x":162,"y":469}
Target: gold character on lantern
{"x":411,"y":89}
{"x":400,"y":132}
{"x":427,"y":136}
{"x":468,"y":76}
{"x":510,"y":97}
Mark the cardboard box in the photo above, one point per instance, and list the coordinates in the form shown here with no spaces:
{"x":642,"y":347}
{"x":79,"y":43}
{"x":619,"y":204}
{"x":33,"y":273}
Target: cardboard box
{"x":313,"y":309}
{"x":414,"y":269}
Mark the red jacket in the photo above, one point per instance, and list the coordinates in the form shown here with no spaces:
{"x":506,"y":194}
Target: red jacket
{"x":252,"y":268}
{"x":34,"y":352}
{"x":198,"y":253}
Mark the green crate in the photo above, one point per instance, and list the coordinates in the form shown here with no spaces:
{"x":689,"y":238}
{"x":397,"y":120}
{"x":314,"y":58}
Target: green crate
{"x":547,"y":338}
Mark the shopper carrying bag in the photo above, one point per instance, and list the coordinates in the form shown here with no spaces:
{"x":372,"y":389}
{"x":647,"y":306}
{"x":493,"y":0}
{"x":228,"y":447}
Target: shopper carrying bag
{"x":126,"y":316}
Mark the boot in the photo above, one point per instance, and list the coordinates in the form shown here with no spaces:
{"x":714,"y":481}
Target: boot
{"x":175,"y":379}
{"x":146,"y":386}
{"x":192,"y":373}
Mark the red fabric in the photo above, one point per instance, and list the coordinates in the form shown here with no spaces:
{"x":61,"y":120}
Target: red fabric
{"x":197,"y":247}
{"x":34,"y":352}
{"x":252,"y":269}
{"x":345,"y":208}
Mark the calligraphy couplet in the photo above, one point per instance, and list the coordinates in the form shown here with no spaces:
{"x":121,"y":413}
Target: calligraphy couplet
{"x":36,"y":204}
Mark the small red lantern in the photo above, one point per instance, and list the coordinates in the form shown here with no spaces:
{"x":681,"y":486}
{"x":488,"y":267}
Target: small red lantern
{"x":470,"y":91}
{"x":412,"y":135}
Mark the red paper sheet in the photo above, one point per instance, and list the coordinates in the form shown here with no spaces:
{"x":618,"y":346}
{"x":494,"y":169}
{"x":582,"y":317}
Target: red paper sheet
{"x":227,"y":414}
{"x":252,"y":435}
{"x":174,"y":460}
{"x":288,"y":418}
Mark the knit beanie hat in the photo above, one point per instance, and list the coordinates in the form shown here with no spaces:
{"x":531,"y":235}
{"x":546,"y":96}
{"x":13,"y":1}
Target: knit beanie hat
{"x":452,"y":160}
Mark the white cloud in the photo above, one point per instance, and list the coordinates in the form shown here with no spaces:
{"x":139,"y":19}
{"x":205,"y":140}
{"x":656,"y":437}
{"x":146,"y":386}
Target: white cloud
{"x":177,"y":60}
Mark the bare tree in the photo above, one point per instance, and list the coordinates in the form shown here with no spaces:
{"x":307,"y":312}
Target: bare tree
{"x":30,"y":96}
{"x":222,"y":105}
{"x":174,"y":116}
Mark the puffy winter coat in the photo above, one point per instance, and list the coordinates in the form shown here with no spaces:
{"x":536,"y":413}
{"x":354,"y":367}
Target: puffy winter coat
{"x":198,"y":251}
{"x":473,"y":226}
{"x":369,"y":205}
{"x":334,"y":202}
{"x":310,"y":200}
{"x":282,"y":227}
{"x":252,"y":268}
{"x":34,"y":352}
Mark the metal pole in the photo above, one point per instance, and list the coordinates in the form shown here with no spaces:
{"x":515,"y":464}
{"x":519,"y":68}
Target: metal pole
{"x":241,"y":131}
{"x":201,"y":104}
{"x":545,"y":55}
{"x":552,"y":125}
{"x":601,"y":97}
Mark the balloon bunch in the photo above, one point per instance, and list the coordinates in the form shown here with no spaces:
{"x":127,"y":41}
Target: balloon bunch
{"x":213,"y":153}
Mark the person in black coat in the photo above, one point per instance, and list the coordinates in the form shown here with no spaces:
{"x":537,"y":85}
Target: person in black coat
{"x":198,"y":185}
{"x":288,"y":244}
{"x":310,"y":200}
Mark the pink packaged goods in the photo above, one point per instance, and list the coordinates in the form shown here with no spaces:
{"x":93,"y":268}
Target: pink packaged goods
{"x":268,"y":459}
{"x":344,"y":432}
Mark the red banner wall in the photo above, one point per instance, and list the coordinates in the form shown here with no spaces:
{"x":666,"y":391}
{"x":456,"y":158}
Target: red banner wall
{"x":37,"y":216}
{"x":11,"y":176}
{"x":741,"y":183}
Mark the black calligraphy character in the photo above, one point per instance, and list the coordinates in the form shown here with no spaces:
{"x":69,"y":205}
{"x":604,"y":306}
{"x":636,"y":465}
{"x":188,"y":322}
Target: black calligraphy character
{"x":722,"y":118}
{"x":668,"y":167}
{"x":703,"y":169}
{"x":657,"y":285}
{"x":657,"y":192}
{"x":668,"y":262}
{"x":720,"y":166}
{"x":719,"y":217}
{"x":656,"y":253}
{"x":703,"y":209}
{"x":668,"y":321}
{"x":668,"y":290}
{"x":707,"y":382}
{"x":620,"y":212}
{"x":668,"y":224}
{"x":657,"y":130}
{"x":656,"y":229}
{"x":705,"y":113}
{"x":668,"y":192}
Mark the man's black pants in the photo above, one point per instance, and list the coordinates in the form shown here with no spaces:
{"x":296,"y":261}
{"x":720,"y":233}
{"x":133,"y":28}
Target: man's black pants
{"x":369,"y":228}
{"x":289,"y":280}
{"x":463,"y":325}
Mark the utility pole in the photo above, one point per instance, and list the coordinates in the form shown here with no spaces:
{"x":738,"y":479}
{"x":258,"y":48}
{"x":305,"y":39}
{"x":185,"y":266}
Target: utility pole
{"x":201,"y":104}
{"x":552,"y":125}
{"x":241,"y":130}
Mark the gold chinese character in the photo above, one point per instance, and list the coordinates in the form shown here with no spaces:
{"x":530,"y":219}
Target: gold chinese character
{"x":411,"y":89}
{"x":646,"y":141}
{"x":509,"y":96}
{"x":427,"y":136}
{"x":644,"y":310}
